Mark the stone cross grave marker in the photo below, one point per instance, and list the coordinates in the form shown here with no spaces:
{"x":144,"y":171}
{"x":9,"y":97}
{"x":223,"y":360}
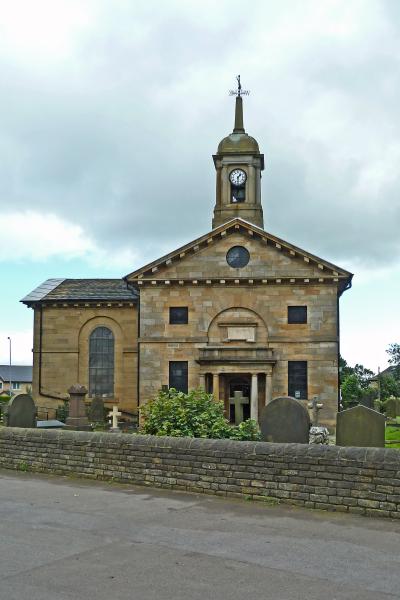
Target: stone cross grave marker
{"x":97,"y":410}
{"x":360,"y":426}
{"x":238,"y":401}
{"x":114,"y":414}
{"x":315,"y":407}
{"x":21,"y":411}
{"x":285,"y":420}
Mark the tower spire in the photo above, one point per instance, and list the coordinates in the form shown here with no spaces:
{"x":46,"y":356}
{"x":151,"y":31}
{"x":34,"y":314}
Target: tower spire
{"x":239,"y":126}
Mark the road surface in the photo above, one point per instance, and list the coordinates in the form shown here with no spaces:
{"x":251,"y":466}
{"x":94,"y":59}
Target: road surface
{"x":65,"y":539}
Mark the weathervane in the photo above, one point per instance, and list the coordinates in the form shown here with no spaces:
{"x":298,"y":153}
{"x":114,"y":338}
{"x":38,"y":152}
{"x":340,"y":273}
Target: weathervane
{"x":239,"y":92}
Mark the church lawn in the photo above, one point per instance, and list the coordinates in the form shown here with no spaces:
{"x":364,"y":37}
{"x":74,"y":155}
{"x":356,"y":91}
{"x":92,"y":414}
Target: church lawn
{"x":392,"y":437}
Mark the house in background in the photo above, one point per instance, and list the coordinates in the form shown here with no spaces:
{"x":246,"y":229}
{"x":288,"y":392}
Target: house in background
{"x":21,"y":379}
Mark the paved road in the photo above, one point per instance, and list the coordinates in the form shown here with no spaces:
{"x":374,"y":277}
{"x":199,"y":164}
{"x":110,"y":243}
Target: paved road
{"x":62,"y":539}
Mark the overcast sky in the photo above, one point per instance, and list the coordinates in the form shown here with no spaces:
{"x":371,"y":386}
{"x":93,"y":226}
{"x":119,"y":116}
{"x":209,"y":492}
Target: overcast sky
{"x":111,"y":111}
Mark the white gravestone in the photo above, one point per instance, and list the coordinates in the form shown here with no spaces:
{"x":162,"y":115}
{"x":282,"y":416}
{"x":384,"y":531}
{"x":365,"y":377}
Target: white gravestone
{"x":114,"y":414}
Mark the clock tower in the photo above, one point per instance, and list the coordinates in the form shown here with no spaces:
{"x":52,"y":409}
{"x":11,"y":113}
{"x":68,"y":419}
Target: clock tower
{"x":238,"y":164}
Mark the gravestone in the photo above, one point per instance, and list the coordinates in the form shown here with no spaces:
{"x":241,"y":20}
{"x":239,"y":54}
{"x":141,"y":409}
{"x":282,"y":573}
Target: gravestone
{"x":21,"y":411}
{"x":360,"y":426}
{"x":392,"y":407}
{"x":97,"y":410}
{"x":114,"y":414}
{"x":238,"y":401}
{"x":315,"y":407}
{"x":77,"y":418}
{"x":368,"y":398}
{"x":285,"y":420}
{"x":50,"y":424}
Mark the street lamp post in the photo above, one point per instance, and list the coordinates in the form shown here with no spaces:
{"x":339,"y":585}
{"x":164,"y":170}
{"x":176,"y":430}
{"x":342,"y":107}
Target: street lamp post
{"x":10,"y":376}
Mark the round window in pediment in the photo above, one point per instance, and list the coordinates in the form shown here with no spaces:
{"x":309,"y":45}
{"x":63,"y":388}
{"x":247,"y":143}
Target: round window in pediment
{"x":237,"y":257}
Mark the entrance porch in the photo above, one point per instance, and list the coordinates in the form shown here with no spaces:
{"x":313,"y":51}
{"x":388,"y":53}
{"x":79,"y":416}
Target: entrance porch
{"x":226,"y":370}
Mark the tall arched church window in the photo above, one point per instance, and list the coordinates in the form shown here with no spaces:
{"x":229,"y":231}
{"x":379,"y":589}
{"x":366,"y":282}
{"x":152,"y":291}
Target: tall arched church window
{"x":101,"y":362}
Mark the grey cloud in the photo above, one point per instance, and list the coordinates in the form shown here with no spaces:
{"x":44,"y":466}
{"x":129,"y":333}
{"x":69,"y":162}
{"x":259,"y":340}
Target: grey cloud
{"x":119,"y":139}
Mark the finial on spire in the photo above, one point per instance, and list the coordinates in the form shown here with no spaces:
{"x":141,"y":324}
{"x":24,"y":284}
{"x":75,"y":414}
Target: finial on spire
{"x":239,"y":92}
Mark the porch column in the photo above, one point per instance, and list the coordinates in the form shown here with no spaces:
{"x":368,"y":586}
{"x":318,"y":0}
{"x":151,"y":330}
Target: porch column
{"x":254,"y":397}
{"x":215,"y":389}
{"x":202,"y":383}
{"x":268,"y":388}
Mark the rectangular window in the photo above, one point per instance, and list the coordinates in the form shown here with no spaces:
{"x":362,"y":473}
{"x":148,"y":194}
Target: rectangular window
{"x":1,"y":385}
{"x":297,"y":314}
{"x":178,"y":315}
{"x":15,"y":385}
{"x":297,"y":379}
{"x":178,"y":375}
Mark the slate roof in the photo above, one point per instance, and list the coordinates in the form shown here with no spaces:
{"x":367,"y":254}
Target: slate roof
{"x":22,"y":374}
{"x":81,"y":289}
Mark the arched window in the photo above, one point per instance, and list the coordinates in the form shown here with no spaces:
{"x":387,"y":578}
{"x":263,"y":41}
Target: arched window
{"x":101,"y":362}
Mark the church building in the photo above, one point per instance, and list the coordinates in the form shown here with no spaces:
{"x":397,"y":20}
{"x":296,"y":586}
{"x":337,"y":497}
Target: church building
{"x":235,"y":310}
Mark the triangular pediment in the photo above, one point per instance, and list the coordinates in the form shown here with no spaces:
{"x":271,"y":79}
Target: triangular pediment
{"x":272,"y":260}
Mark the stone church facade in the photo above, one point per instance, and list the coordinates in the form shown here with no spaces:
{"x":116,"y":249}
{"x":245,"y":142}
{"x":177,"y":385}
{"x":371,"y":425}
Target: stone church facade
{"x":237,"y":309}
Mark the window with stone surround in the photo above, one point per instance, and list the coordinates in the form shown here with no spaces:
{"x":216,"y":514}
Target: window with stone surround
{"x":178,"y":315}
{"x":297,"y":314}
{"x":101,"y":362}
{"x":178,"y":375}
{"x":297,"y":379}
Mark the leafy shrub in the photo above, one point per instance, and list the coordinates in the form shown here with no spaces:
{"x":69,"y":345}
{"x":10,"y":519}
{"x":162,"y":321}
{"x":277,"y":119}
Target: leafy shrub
{"x":195,"y":414}
{"x":62,"y":411}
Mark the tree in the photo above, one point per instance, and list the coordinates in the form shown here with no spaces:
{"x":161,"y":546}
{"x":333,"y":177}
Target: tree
{"x":195,"y":414}
{"x":351,"y":390}
{"x":363,"y":375}
{"x":389,"y":386}
{"x":394,"y":354}
{"x":344,"y":369}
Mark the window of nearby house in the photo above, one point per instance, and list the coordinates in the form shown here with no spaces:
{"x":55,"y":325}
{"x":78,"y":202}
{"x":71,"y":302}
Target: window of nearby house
{"x":297,"y":379}
{"x":178,"y":315}
{"x":1,"y":385}
{"x":15,"y":385}
{"x":101,"y":362}
{"x":297,"y":314}
{"x":178,"y":375}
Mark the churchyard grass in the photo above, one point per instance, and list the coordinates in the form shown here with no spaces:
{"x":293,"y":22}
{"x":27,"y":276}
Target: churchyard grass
{"x":392,"y":437}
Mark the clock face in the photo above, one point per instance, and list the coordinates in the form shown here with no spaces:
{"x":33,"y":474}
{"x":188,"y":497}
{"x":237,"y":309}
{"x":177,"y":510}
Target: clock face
{"x":237,"y":257}
{"x":237,"y":177}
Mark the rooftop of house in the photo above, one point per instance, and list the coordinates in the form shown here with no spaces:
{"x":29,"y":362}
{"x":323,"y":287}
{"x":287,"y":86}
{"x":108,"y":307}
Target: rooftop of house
{"x":20,"y":373}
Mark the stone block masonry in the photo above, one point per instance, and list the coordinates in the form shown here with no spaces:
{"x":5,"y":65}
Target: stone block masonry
{"x":356,"y":480}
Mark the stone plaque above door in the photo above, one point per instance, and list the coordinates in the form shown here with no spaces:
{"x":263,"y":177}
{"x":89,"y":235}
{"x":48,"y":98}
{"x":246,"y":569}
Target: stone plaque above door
{"x":243,"y":333}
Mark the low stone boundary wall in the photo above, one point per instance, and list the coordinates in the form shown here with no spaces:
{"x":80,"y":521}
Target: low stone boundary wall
{"x":356,"y":480}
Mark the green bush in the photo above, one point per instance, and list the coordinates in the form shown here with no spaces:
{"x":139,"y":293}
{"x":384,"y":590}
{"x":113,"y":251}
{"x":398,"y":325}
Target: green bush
{"x":195,"y":414}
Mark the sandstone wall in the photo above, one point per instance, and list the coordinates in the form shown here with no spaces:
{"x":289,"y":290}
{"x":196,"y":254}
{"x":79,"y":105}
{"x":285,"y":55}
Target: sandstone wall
{"x":356,"y":480}
{"x":65,"y":351}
